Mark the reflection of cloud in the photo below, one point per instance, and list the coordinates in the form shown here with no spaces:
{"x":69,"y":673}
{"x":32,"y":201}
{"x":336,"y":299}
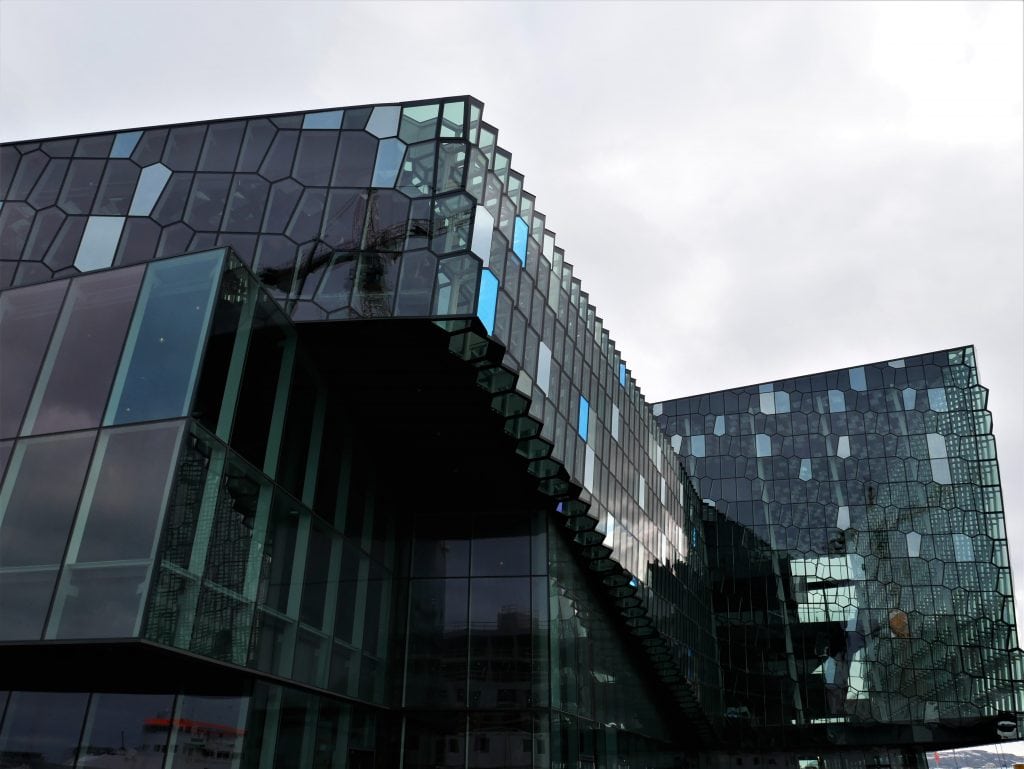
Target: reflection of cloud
{"x":764,"y":190}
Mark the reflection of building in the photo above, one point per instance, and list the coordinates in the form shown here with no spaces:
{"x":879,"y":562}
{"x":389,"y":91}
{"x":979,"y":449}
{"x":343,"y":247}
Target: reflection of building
{"x":311,"y":443}
{"x":877,"y":489}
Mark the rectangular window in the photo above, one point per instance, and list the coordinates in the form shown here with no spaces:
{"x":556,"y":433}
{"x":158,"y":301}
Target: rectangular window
{"x":161,"y":359}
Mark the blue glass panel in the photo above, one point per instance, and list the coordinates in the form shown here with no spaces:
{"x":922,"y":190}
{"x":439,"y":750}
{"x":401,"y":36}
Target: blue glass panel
{"x":151,"y":183}
{"x":522,"y":232}
{"x":937,"y":399}
{"x":161,"y":359}
{"x":488,"y":302}
{"x":805,"y":469}
{"x":857,"y":380}
{"x":389,"y":159}
{"x":782,"y":402}
{"x":909,"y":398}
{"x":622,"y":374}
{"x":323,"y":121}
{"x":384,"y":121}
{"x":764,"y":445}
{"x":124,"y":144}
{"x":836,"y":401}
{"x":584,"y":424}
{"x":99,"y":242}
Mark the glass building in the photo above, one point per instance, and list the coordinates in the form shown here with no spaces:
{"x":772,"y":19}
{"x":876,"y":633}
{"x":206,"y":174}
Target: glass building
{"x":313,"y":452}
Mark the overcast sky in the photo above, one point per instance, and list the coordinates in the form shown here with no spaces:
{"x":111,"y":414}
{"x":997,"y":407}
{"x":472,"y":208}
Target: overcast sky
{"x":748,"y":190}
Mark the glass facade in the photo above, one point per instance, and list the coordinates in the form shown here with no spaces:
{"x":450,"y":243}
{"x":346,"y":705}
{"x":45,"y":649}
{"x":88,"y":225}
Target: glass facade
{"x":856,"y":523}
{"x":306,"y":417}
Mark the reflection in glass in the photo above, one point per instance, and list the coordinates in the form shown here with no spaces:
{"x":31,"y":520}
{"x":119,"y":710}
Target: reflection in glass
{"x":389,"y":159}
{"x":99,"y":242}
{"x":27,"y":317}
{"x":162,"y":355}
{"x":436,"y":661}
{"x":151,"y":183}
{"x":76,"y":376}
{"x":43,"y":727}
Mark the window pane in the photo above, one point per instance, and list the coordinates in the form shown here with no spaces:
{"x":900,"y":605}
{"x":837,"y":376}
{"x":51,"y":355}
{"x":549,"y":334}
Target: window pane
{"x":131,"y":479}
{"x":500,"y":656}
{"x":436,"y":672}
{"x":75,"y":381}
{"x":27,"y":317}
{"x":205,"y":726}
{"x":39,"y":498}
{"x":158,"y":369}
{"x":119,"y":729}
{"x":43,"y":725}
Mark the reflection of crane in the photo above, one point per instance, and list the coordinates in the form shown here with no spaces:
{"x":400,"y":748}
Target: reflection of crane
{"x":369,"y":253}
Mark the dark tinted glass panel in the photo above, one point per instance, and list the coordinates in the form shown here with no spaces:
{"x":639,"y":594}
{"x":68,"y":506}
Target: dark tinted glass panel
{"x":278,"y":162}
{"x":42,"y":727}
{"x":504,"y":739}
{"x":442,"y":547}
{"x":171,"y":203}
{"x":206,"y":203}
{"x":344,"y":219}
{"x":183,"y":145}
{"x":259,"y":134}
{"x":436,"y":663}
{"x":500,"y":639}
{"x":314,"y":585}
{"x":117,"y":188}
{"x":29,"y":170}
{"x":236,"y":292}
{"x":259,"y":383}
{"x":279,"y":552}
{"x":62,"y":251}
{"x":315,"y":158}
{"x":80,"y":186}
{"x":174,"y":240}
{"x":94,"y":146}
{"x":374,"y":287}
{"x":75,"y":381}
{"x":9,"y":158}
{"x":501,"y":545}
{"x":5,"y":453}
{"x":298,"y":427}
{"x":138,"y":241}
{"x":120,"y":728}
{"x":15,"y":224}
{"x":209,"y":724}
{"x":435,"y":739}
{"x":161,"y":360}
{"x":46,"y":189}
{"x":246,"y":202}
{"x":357,"y":152}
{"x":39,"y":498}
{"x":221,"y":148}
{"x":27,"y":318}
{"x":24,"y":600}
{"x":389,"y":214}
{"x":150,"y":147}
{"x":305,"y":223}
{"x":355,"y":119}
{"x":44,"y":228}
{"x":102,"y":602}
{"x":130,"y":491}
{"x":416,"y":283}
{"x":284,"y":196}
